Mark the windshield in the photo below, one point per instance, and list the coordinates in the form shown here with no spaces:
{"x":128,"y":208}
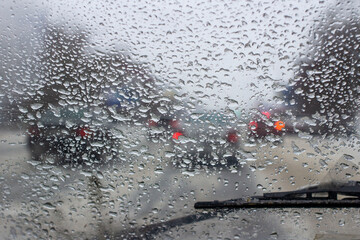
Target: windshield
{"x":116,"y":118}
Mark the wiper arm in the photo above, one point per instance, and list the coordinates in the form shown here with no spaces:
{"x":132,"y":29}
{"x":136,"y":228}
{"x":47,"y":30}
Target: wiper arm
{"x":280,"y":204}
{"x":326,"y":196}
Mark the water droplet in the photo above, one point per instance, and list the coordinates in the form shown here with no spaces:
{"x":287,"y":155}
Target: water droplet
{"x":341,"y":222}
{"x":36,"y":106}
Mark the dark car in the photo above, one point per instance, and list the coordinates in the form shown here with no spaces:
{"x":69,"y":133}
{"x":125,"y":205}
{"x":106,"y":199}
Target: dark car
{"x":165,"y":128}
{"x":197,"y":138}
{"x":209,"y":138}
{"x":166,"y":117}
{"x":264,"y":124}
{"x":70,"y":135}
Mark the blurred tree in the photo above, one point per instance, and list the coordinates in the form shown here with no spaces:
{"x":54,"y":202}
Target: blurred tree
{"x":327,"y":83}
{"x":66,"y":71}
{"x":74,"y":74}
{"x":60,"y":63}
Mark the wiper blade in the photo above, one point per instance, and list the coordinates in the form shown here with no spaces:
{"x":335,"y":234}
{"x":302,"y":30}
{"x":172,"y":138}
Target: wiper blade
{"x":322,"y":196}
{"x":279,"y":204}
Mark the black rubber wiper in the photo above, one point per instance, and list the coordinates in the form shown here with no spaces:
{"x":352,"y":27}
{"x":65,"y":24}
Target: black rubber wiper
{"x":330,"y":195}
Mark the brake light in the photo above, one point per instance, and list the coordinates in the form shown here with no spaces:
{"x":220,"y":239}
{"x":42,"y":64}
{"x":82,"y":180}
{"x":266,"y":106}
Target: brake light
{"x":253,"y":125}
{"x":232,"y":137}
{"x":267,"y":114}
{"x":279,"y":125}
{"x":83,"y":132}
{"x":176,"y":135}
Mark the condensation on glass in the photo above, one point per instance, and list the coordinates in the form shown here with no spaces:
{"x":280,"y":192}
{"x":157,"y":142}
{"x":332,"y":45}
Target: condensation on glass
{"x":116,"y":117}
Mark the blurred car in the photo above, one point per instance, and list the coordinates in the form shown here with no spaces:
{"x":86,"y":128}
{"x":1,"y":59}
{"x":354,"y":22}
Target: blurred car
{"x":264,"y":124}
{"x":165,"y":128}
{"x":70,"y":135}
{"x":166,"y":118}
{"x":312,"y":119}
{"x":197,"y":138}
{"x":209,"y":138}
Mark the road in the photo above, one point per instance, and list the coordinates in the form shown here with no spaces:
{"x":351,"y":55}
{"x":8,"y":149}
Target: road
{"x":42,"y":200}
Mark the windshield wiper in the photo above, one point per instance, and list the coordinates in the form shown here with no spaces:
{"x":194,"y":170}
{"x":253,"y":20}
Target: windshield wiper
{"x":330,"y":195}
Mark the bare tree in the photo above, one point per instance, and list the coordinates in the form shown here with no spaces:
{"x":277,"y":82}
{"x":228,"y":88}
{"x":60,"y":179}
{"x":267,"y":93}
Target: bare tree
{"x":326,"y":86}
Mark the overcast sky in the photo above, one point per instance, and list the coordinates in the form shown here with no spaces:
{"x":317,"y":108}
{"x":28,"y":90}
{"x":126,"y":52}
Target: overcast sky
{"x":227,"y":53}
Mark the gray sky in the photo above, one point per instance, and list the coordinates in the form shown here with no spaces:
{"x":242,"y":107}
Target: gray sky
{"x":225,"y":53}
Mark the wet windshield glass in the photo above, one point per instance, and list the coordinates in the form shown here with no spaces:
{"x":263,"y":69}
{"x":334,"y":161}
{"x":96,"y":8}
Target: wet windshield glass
{"x":117,"y":117}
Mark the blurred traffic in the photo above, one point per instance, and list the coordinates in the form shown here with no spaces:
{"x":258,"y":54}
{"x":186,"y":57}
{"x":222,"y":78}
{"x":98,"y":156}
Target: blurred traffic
{"x":117,"y":117}
{"x":71,"y":135}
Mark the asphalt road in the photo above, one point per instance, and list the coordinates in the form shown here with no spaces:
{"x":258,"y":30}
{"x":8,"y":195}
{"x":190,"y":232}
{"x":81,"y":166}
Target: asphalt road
{"x":142,"y":187}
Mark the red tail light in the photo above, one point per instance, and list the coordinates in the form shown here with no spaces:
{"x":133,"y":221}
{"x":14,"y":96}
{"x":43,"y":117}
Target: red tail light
{"x":267,"y":114}
{"x":232,"y":137}
{"x":176,"y":135}
{"x":279,"y":125}
{"x":83,"y":132}
{"x":253,"y":126}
